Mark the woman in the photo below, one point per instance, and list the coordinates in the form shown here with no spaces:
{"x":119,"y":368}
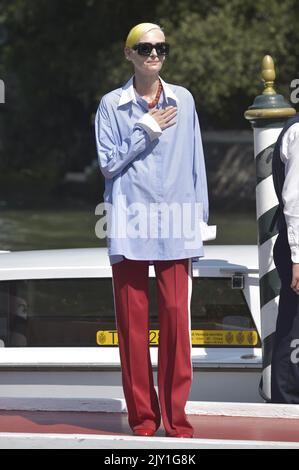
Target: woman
{"x":150,"y":153}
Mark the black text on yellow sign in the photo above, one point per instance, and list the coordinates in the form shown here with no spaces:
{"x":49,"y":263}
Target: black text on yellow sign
{"x":199,"y":337}
{"x":110,"y":337}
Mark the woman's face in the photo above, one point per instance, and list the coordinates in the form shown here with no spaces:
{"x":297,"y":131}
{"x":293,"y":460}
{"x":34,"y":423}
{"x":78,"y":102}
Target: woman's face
{"x":147,"y":65}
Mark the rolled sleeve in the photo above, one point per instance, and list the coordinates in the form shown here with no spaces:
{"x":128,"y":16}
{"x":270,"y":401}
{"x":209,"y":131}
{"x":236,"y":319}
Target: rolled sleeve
{"x":150,"y":125}
{"x":114,"y":158}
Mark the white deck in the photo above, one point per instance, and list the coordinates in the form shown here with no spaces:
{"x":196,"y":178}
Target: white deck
{"x":94,"y":262}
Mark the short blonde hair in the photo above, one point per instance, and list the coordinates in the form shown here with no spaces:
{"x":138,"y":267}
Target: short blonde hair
{"x":137,"y":31}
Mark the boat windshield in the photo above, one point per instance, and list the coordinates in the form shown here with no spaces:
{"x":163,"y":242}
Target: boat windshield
{"x":80,"y":312}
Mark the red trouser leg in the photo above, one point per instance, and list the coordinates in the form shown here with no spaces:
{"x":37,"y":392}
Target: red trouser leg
{"x":174,"y":285}
{"x":131,"y":300}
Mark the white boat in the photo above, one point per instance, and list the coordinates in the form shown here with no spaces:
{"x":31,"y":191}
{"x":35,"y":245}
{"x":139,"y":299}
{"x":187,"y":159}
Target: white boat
{"x":57,"y":328}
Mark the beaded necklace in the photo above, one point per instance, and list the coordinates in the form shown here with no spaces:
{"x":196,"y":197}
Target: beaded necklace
{"x":155,"y":101}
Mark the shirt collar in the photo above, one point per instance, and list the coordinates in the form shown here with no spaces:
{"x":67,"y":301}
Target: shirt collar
{"x":128,"y":94}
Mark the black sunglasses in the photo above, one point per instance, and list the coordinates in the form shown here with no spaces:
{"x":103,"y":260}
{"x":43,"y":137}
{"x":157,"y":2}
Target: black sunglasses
{"x":145,"y":48}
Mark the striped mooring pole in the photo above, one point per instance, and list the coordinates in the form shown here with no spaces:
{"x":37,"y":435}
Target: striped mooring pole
{"x":267,"y":116}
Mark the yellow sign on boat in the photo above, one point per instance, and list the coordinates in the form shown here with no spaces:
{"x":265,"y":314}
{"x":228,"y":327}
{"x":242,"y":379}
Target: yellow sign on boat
{"x":199,"y":338}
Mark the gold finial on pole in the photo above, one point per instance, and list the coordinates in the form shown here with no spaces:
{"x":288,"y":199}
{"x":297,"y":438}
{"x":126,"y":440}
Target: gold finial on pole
{"x":268,"y":75}
{"x":269,"y":104}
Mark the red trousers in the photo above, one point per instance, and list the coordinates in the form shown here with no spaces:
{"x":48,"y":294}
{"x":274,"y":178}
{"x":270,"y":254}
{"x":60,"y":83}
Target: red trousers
{"x":131,"y":300}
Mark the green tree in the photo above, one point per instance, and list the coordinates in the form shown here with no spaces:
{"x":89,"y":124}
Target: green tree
{"x":216,"y":51}
{"x":61,"y":56}
{"x":218,"y":47}
{"x":55,"y":77}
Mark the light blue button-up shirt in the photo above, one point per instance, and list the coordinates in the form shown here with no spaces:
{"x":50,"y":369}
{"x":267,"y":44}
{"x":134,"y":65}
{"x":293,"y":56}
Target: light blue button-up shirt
{"x":155,"y":181}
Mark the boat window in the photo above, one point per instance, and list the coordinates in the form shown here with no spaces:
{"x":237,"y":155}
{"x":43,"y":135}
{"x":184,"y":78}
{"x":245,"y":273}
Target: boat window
{"x":220,"y":315}
{"x":80,"y":312}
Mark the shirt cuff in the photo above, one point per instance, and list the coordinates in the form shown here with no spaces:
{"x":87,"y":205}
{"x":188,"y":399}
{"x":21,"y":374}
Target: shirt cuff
{"x":293,"y":242}
{"x":150,"y":125}
{"x":295,"y":254}
{"x":208,"y":232}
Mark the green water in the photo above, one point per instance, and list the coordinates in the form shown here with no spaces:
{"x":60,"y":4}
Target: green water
{"x":46,"y":229}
